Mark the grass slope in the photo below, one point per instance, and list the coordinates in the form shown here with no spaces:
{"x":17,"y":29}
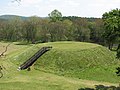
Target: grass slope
{"x":62,"y":68}
{"x":81,"y":60}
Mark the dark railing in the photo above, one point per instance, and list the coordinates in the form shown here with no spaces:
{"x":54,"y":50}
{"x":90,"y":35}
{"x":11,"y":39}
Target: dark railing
{"x":31,"y":60}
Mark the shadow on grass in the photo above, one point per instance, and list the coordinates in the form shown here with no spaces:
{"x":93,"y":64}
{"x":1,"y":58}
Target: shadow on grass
{"x":28,"y":43}
{"x":101,"y":87}
{"x":23,"y":43}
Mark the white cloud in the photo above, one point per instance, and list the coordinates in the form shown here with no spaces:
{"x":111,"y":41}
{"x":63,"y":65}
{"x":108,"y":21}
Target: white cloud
{"x":31,"y":1}
{"x":85,"y":8}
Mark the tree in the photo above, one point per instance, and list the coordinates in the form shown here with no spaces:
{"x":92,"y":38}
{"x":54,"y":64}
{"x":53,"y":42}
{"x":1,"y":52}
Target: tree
{"x":30,"y":28}
{"x":43,"y":35}
{"x":16,"y":1}
{"x":81,"y":30}
{"x":57,"y":31}
{"x":112,"y":26}
{"x":96,"y":31}
{"x":2,"y":30}
{"x":15,"y":28}
{"x":56,"y":26}
{"x":55,"y":15}
{"x":10,"y":29}
{"x":68,"y":26}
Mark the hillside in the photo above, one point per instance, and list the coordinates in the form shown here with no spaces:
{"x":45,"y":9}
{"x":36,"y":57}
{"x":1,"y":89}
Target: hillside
{"x":78,"y":59}
{"x":62,"y":68}
{"x":7,"y":17}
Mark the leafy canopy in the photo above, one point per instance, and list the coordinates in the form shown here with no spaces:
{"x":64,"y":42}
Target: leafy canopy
{"x":55,"y":15}
{"x":112,"y":26}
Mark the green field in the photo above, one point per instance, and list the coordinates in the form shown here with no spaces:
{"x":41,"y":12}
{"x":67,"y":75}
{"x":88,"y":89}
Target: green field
{"x":67,"y":66}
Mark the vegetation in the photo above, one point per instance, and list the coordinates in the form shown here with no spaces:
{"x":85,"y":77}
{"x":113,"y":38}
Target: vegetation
{"x":69,"y":62}
{"x":64,"y":67}
{"x":55,"y":16}
{"x":55,"y":28}
{"x":112,"y":27}
{"x":33,"y":29}
{"x":79,"y":60}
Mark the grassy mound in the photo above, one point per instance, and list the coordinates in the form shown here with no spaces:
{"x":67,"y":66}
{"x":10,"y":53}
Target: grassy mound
{"x":76,"y":56}
{"x":72,"y":59}
{"x":79,"y":59}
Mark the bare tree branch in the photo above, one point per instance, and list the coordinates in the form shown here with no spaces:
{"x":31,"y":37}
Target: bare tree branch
{"x":18,"y":1}
{"x":2,"y":54}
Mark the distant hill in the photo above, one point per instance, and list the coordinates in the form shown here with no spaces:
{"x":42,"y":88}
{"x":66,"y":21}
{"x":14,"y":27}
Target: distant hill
{"x":6,"y":17}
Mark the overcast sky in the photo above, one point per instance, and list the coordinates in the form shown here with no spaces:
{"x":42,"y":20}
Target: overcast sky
{"x":82,"y":8}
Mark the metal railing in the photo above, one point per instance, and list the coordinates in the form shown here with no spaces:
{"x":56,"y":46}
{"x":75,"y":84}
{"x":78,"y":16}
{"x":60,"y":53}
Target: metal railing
{"x":32,"y":59}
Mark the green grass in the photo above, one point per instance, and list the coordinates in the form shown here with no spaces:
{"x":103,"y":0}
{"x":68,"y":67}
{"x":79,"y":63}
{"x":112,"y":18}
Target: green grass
{"x":35,"y":80}
{"x":80,"y":60}
{"x":67,"y":66}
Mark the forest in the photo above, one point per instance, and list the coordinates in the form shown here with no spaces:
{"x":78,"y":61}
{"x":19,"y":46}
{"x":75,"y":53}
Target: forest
{"x":35,"y":29}
{"x":56,"y":27}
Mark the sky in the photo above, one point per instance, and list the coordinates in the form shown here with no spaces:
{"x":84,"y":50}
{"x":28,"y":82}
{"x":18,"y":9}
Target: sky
{"x":81,"y":8}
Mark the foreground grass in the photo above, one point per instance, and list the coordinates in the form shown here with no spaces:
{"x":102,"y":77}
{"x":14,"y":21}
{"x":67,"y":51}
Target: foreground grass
{"x":62,"y":68}
{"x":36,"y":80}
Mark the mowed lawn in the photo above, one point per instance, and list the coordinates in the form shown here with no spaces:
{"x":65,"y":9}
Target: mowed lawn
{"x":50,"y":72}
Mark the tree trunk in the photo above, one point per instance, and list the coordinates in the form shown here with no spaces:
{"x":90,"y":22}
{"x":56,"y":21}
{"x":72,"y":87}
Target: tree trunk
{"x":118,"y":47}
{"x":110,"y":46}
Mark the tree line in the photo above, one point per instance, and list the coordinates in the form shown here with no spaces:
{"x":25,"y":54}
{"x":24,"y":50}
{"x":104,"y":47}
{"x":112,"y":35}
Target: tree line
{"x":52,"y":28}
{"x":105,"y":30}
{"x":55,"y":27}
